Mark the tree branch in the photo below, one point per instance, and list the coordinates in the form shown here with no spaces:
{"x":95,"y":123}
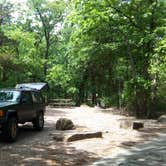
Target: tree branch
{"x":132,"y":22}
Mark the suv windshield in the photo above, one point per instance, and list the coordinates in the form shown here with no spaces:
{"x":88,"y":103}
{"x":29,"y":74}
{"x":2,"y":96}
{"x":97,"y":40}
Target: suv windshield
{"x":11,"y":96}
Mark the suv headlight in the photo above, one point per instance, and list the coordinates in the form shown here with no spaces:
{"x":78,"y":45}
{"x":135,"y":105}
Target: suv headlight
{"x":1,"y":113}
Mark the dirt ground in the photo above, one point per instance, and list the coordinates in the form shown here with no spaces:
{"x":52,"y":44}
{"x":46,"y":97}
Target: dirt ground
{"x":40,"y":149}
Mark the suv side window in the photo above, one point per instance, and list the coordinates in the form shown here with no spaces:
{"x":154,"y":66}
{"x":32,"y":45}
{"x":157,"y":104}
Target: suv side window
{"x":26,"y":97}
{"x":36,"y":97}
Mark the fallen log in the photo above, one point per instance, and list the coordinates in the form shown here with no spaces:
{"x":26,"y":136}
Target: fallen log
{"x":76,"y":137}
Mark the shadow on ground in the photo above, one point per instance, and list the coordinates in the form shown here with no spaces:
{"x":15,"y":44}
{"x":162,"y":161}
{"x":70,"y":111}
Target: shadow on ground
{"x":152,"y":153}
{"x":38,"y":149}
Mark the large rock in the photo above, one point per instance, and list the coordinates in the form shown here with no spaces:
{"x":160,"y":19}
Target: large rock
{"x":76,"y":137}
{"x":162,"y":119}
{"x":64,"y":124}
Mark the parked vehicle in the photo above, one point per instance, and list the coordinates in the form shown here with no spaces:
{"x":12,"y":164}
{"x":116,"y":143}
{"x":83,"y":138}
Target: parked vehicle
{"x":20,"y":105}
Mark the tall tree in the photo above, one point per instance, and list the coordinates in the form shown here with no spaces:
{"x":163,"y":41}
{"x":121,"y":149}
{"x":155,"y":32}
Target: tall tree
{"x":48,"y":16}
{"x":121,"y":33}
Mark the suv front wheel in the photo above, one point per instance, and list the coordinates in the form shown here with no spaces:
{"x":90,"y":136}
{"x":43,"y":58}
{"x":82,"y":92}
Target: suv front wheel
{"x":38,"y":123}
{"x":10,"y":129}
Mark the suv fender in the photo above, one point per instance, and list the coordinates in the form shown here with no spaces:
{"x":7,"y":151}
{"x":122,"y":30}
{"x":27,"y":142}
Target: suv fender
{"x":10,"y":113}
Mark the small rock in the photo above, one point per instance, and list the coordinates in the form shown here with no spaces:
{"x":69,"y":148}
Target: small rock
{"x":162,"y":119}
{"x":137,"y":125}
{"x":64,"y":124}
{"x":128,"y":143}
{"x":6,"y":148}
{"x":82,"y":136}
{"x":58,"y":138}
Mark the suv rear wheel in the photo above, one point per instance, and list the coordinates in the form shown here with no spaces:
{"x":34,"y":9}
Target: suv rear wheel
{"x":10,"y":129}
{"x":38,"y":123}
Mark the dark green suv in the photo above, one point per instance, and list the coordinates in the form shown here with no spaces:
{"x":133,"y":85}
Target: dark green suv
{"x":20,"y":105}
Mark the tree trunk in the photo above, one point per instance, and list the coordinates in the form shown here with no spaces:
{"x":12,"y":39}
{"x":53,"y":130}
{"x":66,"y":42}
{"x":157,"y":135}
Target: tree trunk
{"x":141,"y":104}
{"x":93,"y":84}
{"x":46,"y":55}
{"x":4,"y":74}
{"x":81,"y":93}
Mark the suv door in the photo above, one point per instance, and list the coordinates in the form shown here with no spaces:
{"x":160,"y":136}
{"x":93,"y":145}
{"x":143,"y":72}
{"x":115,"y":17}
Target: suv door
{"x":26,"y":106}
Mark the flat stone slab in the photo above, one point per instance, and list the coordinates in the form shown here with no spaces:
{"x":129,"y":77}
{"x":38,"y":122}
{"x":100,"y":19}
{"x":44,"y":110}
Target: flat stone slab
{"x":81,"y":136}
{"x":162,"y":119}
{"x":126,"y":124}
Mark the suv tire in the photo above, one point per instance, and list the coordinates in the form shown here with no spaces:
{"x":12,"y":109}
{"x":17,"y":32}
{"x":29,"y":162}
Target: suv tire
{"x":10,"y":130}
{"x":38,"y":123}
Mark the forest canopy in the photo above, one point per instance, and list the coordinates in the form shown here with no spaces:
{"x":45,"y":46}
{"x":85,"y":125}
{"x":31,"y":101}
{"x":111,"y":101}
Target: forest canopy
{"x":106,"y":52}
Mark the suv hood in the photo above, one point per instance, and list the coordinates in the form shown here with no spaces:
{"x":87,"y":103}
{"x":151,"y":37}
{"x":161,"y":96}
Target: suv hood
{"x":6,"y":104}
{"x":37,"y":86}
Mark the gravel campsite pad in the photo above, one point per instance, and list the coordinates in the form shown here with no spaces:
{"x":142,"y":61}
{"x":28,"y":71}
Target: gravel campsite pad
{"x":41,"y":149}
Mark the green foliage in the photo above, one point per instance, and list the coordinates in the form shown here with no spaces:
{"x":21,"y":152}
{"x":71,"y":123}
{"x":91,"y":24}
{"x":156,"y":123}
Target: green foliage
{"x":110,"y":101}
{"x":89,"y":50}
{"x":116,"y":42}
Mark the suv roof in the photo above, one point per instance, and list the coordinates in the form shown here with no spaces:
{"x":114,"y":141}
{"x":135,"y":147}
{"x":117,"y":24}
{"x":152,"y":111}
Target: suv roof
{"x":18,"y":89}
{"x":32,"y":86}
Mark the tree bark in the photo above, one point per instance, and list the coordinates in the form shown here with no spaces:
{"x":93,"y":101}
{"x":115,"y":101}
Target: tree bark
{"x":81,"y":93}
